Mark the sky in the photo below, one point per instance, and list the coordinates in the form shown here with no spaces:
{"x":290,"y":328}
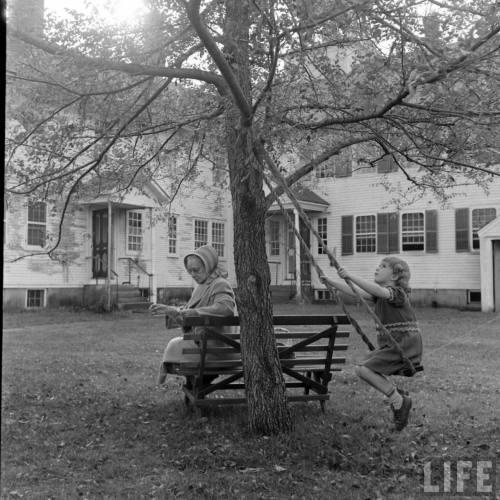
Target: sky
{"x":121,"y":12}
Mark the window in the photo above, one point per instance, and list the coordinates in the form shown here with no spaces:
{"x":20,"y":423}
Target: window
{"x":473,"y":296}
{"x":172,"y":235}
{"x":200,"y":233}
{"x":37,"y":223}
{"x":337,"y":166}
{"x":323,"y":234}
{"x":480,"y":217}
{"x":380,"y":233}
{"x":412,"y":231}
{"x":386,"y":165}
{"x":467,"y":224}
{"x":274,"y":238}
{"x":134,"y":231}
{"x":218,"y":237}
{"x":366,"y":234}
{"x":35,"y":298}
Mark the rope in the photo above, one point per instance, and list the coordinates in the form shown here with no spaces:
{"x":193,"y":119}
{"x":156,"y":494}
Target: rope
{"x":354,"y":323}
{"x":264,"y":157}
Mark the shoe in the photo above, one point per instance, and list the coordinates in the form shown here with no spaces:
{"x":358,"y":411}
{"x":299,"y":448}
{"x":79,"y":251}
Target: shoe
{"x":401,"y":415}
{"x":402,"y":392}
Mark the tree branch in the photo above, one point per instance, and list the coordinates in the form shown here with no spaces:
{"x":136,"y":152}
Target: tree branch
{"x":128,"y":68}
{"x":193,"y":12}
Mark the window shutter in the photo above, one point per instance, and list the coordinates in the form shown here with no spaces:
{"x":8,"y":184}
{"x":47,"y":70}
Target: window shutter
{"x":343,"y":169}
{"x":394,"y":233}
{"x":431,"y":242}
{"x":386,"y":165}
{"x":462,"y":229}
{"x":382,"y":233}
{"x":388,"y":233}
{"x":347,"y":234}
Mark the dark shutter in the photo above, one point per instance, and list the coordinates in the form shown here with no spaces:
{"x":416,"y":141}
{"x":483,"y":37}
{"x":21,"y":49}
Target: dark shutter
{"x":343,"y":169}
{"x":431,"y":241}
{"x":462,"y":229}
{"x":347,"y":234}
{"x":388,"y":233}
{"x":394,"y":233}
{"x":386,"y":165}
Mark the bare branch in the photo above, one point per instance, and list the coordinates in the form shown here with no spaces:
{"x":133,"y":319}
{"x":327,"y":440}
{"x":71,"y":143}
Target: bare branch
{"x":128,"y":68}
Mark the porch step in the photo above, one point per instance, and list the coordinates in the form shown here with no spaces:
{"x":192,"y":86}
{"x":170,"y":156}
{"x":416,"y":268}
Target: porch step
{"x":134,"y":306}
{"x":130,"y":298}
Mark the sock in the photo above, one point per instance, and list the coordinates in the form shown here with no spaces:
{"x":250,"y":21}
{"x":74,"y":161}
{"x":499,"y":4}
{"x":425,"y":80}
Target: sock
{"x":395,"y":399}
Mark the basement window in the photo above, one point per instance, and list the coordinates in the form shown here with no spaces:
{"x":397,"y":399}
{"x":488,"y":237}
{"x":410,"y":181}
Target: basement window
{"x":473,"y":297}
{"x":323,"y":295}
{"x":35,"y":298}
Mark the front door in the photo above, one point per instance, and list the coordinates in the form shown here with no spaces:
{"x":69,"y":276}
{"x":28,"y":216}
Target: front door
{"x":305,"y":261}
{"x":100,"y":243}
{"x":496,"y":274}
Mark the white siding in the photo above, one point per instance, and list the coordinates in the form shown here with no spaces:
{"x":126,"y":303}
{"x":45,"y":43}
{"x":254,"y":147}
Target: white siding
{"x":70,"y":270}
{"x":364,"y":194}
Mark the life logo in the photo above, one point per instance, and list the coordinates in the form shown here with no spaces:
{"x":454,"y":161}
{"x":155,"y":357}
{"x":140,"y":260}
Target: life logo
{"x":466,"y":477}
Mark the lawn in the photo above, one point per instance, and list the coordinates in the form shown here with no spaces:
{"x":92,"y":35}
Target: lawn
{"x":82,"y":417}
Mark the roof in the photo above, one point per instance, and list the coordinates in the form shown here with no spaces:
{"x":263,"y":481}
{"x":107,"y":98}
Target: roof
{"x":491,"y":230}
{"x":307,"y":199}
{"x":304,"y":194}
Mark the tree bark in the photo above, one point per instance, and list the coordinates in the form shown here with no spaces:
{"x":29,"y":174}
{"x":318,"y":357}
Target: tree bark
{"x":267,"y":404}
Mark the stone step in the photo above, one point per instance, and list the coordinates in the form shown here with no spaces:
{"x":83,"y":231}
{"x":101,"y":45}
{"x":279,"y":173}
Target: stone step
{"x":134,"y":306}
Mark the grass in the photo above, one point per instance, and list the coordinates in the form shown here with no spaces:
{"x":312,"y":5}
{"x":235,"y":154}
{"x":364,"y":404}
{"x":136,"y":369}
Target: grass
{"x":82,"y":417}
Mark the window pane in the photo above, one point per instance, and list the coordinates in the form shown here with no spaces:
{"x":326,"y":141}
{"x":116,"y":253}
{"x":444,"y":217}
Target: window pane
{"x":134,"y":231}
{"x":36,"y":235}
{"x":37,"y":223}
{"x":366,"y":236}
{"x":34,"y":298}
{"x":480,"y":217}
{"x":274,"y":238}
{"x":172,"y":234}
{"x":200,"y":233}
{"x":37,"y":212}
{"x":323,"y":234}
{"x":412,"y":231}
{"x":218,"y":237}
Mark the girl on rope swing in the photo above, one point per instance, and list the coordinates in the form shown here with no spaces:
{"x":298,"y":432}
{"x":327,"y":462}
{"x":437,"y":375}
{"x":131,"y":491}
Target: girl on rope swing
{"x":390,"y":293}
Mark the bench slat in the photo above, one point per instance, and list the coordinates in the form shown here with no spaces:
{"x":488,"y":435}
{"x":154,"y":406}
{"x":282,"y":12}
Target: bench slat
{"x":280,"y":320}
{"x":224,"y":351}
{"x":290,"y":335}
{"x":223,"y":365}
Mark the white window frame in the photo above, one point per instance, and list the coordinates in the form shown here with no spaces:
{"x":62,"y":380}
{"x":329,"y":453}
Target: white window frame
{"x":365,"y":236}
{"x":415,"y":232}
{"x":474,"y":238}
{"x":172,"y":231}
{"x":138,"y":237}
{"x":322,"y":225}
{"x":35,"y":223}
{"x":43,"y":297}
{"x":207,"y":231}
{"x":218,"y":229}
{"x":274,"y":238}
{"x":200,"y":233}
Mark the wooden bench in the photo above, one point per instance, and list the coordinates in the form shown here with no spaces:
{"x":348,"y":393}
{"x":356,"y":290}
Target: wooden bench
{"x":307,"y":359}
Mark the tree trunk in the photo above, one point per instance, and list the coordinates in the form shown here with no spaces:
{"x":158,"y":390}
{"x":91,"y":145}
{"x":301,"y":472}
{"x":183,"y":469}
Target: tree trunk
{"x":267,"y":405}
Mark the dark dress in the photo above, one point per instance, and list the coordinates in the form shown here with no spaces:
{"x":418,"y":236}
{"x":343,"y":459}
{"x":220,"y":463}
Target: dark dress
{"x":398,"y":317}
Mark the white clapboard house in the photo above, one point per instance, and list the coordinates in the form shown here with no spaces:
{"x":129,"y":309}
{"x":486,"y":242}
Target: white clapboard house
{"x":129,"y":248}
